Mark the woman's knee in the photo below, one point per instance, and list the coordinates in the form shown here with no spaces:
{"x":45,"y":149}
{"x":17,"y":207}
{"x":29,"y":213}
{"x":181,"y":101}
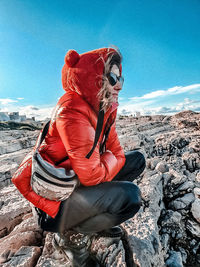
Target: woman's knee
{"x":141,"y":160}
{"x":136,"y":160}
{"x":133,"y":196}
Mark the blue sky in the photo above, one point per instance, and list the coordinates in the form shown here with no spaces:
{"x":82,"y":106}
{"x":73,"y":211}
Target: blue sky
{"x":159,"y":41}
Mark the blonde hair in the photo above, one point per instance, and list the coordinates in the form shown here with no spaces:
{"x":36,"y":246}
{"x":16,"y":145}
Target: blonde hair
{"x":105,"y":95}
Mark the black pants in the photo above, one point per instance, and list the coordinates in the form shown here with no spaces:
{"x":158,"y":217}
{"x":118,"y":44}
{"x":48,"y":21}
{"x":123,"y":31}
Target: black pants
{"x":96,"y":208}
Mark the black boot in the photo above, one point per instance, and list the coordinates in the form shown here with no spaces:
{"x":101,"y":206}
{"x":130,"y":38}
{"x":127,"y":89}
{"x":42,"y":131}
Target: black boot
{"x":75,"y":246}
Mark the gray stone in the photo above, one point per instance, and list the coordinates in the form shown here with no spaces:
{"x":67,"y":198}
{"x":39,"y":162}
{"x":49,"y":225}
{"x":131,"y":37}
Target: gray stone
{"x":194,"y":228}
{"x":24,"y":257}
{"x":185,"y":186}
{"x":197,"y":192}
{"x":196,"y":209}
{"x":183,"y":254}
{"x":172,"y":218}
{"x":174,"y":260}
{"x":142,"y":229}
{"x":148,"y":164}
{"x":166,"y":178}
{"x":6,"y":172}
{"x":182,"y":202}
{"x":13,"y":208}
{"x":107,"y":252}
{"x":154,"y":163}
{"x":173,"y":225}
{"x":195,"y":248}
{"x":188,"y":198}
{"x":191,"y":161}
{"x":197,"y":180}
{"x":195,"y":146}
{"x":165,"y":241}
{"x":51,"y":257}
{"x":177,"y":205}
{"x":177,"y":178}
{"x":162,"y":167}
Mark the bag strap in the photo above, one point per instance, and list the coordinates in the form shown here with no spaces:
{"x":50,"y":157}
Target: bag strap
{"x":98,"y":131}
{"x":42,"y":135}
{"x":99,"y":127}
{"x":46,"y":128}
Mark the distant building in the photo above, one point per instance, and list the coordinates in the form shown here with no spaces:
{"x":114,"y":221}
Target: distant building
{"x":14,"y":116}
{"x":125,"y":112}
{"x":30,"y":119}
{"x":4,"y":116}
{"x":22,"y":117}
{"x":136,"y":114}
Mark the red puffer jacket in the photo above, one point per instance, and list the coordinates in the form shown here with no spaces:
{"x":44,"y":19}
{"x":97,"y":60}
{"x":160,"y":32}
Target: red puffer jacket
{"x":80,"y":136}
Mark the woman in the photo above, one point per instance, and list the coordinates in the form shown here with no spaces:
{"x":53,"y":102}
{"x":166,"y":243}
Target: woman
{"x":82,"y":137}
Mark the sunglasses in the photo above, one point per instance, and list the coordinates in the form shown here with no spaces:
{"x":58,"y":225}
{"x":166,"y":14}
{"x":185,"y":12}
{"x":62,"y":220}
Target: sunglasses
{"x":113,"y":78}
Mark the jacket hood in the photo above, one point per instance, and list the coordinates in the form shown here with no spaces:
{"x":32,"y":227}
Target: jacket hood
{"x":83,"y":73}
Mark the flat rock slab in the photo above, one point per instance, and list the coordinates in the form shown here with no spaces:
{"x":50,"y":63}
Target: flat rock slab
{"x":26,"y":256}
{"x":13,"y":206}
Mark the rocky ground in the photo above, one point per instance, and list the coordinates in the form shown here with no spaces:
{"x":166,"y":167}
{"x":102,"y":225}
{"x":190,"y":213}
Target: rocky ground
{"x":13,"y":125}
{"x":165,"y":231}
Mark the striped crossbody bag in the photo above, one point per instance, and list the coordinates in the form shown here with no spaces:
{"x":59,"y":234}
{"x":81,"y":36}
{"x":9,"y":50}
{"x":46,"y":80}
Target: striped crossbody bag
{"x":48,"y":181}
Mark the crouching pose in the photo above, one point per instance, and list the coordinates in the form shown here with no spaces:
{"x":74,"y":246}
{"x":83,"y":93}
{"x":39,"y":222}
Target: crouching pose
{"x":82,"y":137}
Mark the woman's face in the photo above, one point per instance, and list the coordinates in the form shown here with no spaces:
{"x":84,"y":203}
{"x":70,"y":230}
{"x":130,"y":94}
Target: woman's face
{"x":114,"y":90}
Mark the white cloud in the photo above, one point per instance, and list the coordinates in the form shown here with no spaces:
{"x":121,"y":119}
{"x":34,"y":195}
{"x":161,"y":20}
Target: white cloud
{"x":190,"y":101}
{"x":6,"y":101}
{"x":29,"y":108}
{"x":20,"y":98}
{"x":188,"y":104}
{"x":160,"y":102}
{"x":133,"y":106}
{"x":171,"y":91}
{"x":146,"y":109}
{"x":40,"y":113}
